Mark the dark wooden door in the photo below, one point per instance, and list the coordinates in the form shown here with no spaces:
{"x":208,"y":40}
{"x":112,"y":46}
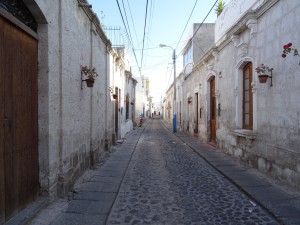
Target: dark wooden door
{"x":196,"y":114}
{"x":18,"y":111}
{"x":2,"y":127}
{"x":117,"y":111}
{"x":212,"y":111}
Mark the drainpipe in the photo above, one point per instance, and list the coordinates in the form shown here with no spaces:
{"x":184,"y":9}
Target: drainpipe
{"x":106,"y":96}
{"x":92,"y":156}
{"x":113,"y":106}
{"x":60,"y":141}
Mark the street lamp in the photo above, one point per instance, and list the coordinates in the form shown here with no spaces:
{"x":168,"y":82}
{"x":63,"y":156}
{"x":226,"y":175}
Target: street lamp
{"x":174,"y":99}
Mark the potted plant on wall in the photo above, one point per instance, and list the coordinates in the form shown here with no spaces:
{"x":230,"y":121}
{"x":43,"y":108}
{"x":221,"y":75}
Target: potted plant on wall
{"x":189,"y":99}
{"x":90,"y":75}
{"x":263,"y":71}
{"x":111,"y":90}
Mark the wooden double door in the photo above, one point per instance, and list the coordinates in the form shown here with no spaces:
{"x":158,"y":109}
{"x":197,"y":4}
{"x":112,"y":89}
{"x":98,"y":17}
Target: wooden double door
{"x":18,"y":119}
{"x":213,"y":110}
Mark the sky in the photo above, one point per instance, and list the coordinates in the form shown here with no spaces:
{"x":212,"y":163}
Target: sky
{"x":168,"y":22}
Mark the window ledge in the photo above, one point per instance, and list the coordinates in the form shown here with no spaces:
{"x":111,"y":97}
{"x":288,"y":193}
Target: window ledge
{"x":249,"y":134}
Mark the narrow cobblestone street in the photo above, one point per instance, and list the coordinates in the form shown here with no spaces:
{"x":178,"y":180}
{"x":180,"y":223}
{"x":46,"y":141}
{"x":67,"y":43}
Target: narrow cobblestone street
{"x":157,"y":177}
{"x":167,"y":183}
{"x":149,"y":112}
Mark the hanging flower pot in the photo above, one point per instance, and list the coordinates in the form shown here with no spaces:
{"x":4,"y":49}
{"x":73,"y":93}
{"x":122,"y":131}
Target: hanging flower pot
{"x":89,"y":74}
{"x":263,"y":78}
{"x":89,"y":83}
{"x":115,"y":96}
{"x":262,"y":71}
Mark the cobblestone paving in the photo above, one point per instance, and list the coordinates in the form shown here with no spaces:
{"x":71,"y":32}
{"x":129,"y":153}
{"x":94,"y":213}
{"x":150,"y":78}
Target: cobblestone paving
{"x":166,"y":183}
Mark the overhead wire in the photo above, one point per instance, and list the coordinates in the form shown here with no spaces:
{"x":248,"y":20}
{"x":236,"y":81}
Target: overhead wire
{"x":196,"y":30}
{"x":187,"y":23}
{"x":126,"y":19}
{"x":200,"y":25}
{"x":170,"y":74}
{"x":145,"y":25}
{"x":130,"y":39}
{"x":133,"y":24}
{"x":148,"y":33}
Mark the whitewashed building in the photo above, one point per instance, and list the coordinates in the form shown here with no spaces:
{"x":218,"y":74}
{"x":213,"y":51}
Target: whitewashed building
{"x":124,"y":86}
{"x":141,"y":101}
{"x":55,"y":126}
{"x":200,"y":41}
{"x":259,"y":123}
{"x":255,"y":122}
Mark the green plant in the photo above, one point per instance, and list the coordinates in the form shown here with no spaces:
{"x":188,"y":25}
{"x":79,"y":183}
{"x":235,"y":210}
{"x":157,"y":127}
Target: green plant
{"x":262,"y":69}
{"x":219,"y":7}
{"x":89,"y":73}
{"x":288,"y":49}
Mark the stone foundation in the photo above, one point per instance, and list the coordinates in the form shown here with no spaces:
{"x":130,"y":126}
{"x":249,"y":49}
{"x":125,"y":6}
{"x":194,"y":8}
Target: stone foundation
{"x":275,"y":167}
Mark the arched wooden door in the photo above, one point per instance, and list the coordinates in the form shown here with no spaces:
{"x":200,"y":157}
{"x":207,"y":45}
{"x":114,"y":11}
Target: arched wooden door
{"x":247,"y":97}
{"x":18,"y":116}
{"x":117,"y":111}
{"x":212,"y":110}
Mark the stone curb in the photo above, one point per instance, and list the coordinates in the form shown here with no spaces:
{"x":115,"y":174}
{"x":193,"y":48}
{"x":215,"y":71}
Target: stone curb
{"x":276,"y":199}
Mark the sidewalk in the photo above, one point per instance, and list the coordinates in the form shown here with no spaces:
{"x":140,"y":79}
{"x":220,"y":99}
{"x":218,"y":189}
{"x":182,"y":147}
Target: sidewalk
{"x":280,"y":201}
{"x":96,"y":193}
{"x":96,"y":190}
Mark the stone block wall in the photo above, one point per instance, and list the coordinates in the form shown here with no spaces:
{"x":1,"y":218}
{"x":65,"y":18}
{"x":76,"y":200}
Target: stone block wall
{"x":73,"y":119}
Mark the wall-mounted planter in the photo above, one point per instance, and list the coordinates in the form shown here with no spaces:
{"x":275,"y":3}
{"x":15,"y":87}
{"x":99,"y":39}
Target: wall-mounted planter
{"x":89,"y":83}
{"x":88,"y":75}
{"x":263,"y":78}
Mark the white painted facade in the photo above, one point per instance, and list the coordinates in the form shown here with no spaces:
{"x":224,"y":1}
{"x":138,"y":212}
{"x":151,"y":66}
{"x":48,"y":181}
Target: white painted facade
{"x":273,"y":144}
{"x":76,"y":123}
{"x":251,"y":32}
{"x":123,"y":81}
{"x":141,"y":102}
{"x":168,"y":104}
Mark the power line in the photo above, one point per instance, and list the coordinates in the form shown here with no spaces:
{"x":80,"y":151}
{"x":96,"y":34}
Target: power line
{"x":200,"y":25}
{"x":144,"y":33}
{"x":126,"y":19}
{"x":128,"y":35}
{"x":133,"y":24}
{"x":187,"y":23}
{"x":149,"y":27}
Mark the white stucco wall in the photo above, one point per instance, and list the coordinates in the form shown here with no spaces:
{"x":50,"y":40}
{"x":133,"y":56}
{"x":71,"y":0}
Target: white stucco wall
{"x":274,"y":147}
{"x":233,"y":11}
{"x":141,"y":99}
{"x":73,"y":119}
{"x":252,"y":31}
